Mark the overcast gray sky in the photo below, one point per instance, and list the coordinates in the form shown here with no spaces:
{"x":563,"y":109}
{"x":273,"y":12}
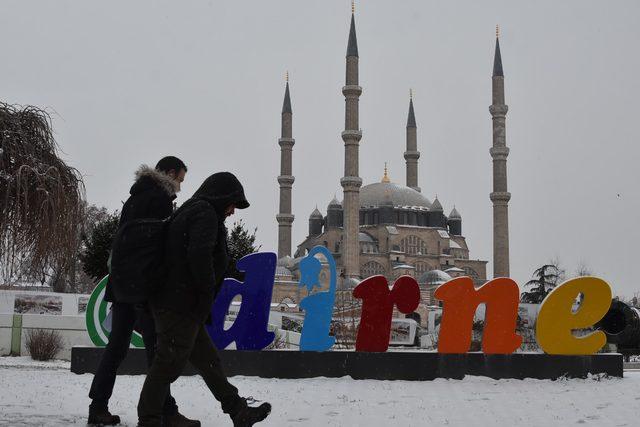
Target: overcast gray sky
{"x":128,"y":82}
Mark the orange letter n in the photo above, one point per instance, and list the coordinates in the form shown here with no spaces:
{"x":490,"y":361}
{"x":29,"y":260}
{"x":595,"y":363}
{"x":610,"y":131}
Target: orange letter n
{"x":501,"y":312}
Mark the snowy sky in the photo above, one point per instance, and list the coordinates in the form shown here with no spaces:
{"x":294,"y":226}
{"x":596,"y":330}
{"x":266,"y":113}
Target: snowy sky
{"x":128,"y":82}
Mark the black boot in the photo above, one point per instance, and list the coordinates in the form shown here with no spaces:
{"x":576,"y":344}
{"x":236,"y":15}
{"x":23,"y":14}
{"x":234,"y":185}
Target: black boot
{"x":249,"y":415}
{"x":100,"y":416}
{"x":178,"y":420}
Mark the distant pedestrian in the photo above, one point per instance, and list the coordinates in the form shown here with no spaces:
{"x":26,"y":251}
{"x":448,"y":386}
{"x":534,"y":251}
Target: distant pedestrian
{"x":151,"y":197}
{"x":196,"y":260}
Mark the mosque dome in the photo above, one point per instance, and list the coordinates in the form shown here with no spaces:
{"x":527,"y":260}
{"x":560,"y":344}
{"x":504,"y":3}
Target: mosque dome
{"x":434,"y":277}
{"x":379,"y":193}
{"x":365,"y":238}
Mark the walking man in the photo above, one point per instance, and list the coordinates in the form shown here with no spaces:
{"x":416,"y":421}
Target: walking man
{"x":151,"y":197}
{"x":196,"y":259}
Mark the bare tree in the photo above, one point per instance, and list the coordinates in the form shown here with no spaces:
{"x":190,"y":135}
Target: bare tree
{"x":343,"y":326}
{"x":583,"y":270}
{"x":562,"y":273}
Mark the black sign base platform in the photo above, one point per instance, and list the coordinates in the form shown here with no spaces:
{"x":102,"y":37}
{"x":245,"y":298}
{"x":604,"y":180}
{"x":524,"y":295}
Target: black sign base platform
{"x":392,"y":365}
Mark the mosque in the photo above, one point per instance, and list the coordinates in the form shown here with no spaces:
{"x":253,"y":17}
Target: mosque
{"x":386,"y":228}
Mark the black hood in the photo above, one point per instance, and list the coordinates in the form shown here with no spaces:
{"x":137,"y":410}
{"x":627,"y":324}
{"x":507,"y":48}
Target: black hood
{"x":222,"y":189}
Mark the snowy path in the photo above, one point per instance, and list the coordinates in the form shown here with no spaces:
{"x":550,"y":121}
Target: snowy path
{"x":37,"y":395}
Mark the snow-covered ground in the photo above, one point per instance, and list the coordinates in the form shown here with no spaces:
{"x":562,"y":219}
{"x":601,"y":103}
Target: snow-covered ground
{"x":47,"y":394}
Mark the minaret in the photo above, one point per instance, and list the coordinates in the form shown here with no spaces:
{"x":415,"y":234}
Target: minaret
{"x":351,"y":182}
{"x":286,"y":141}
{"x":412,"y":154}
{"x":499,"y":152}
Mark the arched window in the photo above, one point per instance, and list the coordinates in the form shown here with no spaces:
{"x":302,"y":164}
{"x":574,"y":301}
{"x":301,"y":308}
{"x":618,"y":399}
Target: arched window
{"x":372,"y":268}
{"x":471,"y":272}
{"x":421,"y":268}
{"x":413,"y":245}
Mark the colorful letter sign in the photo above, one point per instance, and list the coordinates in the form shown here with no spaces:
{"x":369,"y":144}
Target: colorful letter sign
{"x":97,"y":318}
{"x":461,"y":299}
{"x":556,"y":319}
{"x":317,"y":306}
{"x":249,"y":330}
{"x":555,"y":328}
{"x":377,"y":309}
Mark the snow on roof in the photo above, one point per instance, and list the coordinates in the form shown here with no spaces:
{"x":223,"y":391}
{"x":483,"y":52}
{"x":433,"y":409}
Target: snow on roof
{"x":407,"y":266}
{"x":379,"y":193}
{"x":443,"y":234}
{"x":454,"y":245}
{"x":280,"y":304}
{"x":391,"y":229}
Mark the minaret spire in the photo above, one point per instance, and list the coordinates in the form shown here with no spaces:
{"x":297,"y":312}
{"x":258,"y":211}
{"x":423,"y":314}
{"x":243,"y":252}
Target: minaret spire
{"x":497,"y":58}
{"x":352,"y":45}
{"x":351,"y":182}
{"x":412,"y":154}
{"x":499,"y":151}
{"x":286,"y":178}
{"x":411,"y":118}
{"x":286,"y":105}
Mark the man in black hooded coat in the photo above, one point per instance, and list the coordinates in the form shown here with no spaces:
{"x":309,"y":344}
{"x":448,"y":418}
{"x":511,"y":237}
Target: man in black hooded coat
{"x":151,"y":197}
{"x":196,"y":260}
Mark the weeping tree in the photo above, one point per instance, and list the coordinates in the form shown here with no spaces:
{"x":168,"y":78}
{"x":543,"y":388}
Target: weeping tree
{"x":41,"y":197}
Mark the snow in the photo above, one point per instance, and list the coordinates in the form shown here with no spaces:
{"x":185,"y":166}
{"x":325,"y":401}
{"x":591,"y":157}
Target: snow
{"x":26,"y":362}
{"x":47,"y":394}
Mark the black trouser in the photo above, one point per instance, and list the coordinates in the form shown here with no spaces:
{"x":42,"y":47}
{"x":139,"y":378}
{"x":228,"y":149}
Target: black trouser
{"x":123,"y":321}
{"x":182,"y":340}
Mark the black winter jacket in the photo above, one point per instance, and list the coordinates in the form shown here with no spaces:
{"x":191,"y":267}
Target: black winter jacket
{"x":196,"y":254}
{"x":151,"y":197}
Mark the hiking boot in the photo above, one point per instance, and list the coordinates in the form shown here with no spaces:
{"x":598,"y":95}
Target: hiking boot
{"x":249,"y":415}
{"x":102,"y":417}
{"x":178,"y":420}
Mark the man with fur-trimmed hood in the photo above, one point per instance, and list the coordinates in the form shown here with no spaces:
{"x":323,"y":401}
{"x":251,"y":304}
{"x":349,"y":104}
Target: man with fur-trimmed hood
{"x":151,"y":197}
{"x":153,"y":192}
